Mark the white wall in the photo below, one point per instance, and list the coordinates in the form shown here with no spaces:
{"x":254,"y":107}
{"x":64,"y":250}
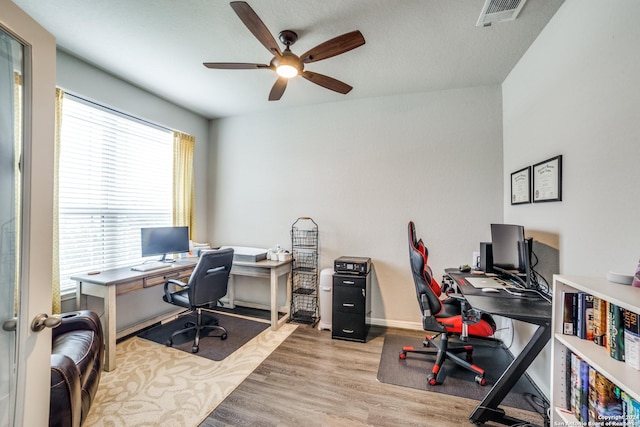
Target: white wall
{"x":576,"y":92}
{"x":362,"y":169}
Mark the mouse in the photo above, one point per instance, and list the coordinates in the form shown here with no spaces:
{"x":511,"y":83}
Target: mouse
{"x":490,"y":290}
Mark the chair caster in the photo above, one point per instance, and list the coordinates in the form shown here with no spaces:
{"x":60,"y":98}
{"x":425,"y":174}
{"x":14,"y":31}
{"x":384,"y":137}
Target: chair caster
{"x":480,"y":380}
{"x":194,"y":349}
{"x":169,"y":343}
{"x":431,"y":380}
{"x":223,"y":337}
{"x":402,"y":355}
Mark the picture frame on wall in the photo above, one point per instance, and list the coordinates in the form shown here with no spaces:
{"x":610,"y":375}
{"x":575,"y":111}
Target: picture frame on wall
{"x":547,"y":180}
{"x":521,"y":186}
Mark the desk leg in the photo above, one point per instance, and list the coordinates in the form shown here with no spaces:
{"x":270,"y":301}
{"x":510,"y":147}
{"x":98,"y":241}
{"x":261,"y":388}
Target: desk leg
{"x":488,"y":409}
{"x":231,"y":291}
{"x":274,"y":299}
{"x":110,"y":330}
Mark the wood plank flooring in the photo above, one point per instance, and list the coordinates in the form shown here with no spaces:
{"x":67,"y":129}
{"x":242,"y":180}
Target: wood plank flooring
{"x":311,"y":380}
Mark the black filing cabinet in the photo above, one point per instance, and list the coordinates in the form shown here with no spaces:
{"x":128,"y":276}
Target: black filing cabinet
{"x":351,"y":305}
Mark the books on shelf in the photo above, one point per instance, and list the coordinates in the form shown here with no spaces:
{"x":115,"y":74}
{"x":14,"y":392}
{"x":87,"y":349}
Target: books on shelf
{"x":595,"y":400}
{"x":584,"y":323}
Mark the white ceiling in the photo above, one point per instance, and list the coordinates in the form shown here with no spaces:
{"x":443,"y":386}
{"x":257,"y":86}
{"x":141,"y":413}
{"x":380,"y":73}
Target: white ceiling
{"x":411,"y":46}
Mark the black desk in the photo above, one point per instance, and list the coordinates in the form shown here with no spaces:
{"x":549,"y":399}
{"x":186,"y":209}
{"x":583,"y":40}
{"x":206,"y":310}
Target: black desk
{"x":527,"y":309}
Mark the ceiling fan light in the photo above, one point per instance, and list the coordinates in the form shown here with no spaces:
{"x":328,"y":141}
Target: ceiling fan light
{"x":287,"y":71}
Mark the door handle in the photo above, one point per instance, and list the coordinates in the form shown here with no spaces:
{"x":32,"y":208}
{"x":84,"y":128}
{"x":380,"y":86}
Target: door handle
{"x":10,"y":325}
{"x":43,"y":320}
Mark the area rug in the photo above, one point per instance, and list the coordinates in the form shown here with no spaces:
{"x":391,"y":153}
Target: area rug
{"x":240,"y":330}
{"x":156,"y":385}
{"x":412,"y":372}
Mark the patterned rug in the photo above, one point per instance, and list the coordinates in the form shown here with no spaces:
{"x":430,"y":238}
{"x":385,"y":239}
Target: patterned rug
{"x":157,"y":385}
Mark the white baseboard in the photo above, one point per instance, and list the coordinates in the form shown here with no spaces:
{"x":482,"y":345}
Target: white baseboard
{"x":396,"y":324}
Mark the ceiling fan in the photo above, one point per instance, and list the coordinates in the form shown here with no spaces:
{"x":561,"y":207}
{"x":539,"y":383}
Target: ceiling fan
{"x":285,"y":63}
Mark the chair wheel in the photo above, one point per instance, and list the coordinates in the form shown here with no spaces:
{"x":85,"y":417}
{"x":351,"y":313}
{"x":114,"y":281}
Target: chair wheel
{"x":480,"y":380}
{"x":403,"y":355}
{"x":169,"y":343}
{"x":194,"y":349}
{"x":431,"y":380}
{"x":223,"y":337}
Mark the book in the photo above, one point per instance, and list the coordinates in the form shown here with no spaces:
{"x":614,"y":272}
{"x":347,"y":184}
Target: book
{"x":615,"y":331}
{"x":574,"y":395}
{"x":569,"y":314}
{"x":632,"y":339}
{"x":592,"y":398}
{"x":608,"y":404}
{"x":584,"y":323}
{"x":630,"y":410}
{"x":583,"y":399}
{"x":599,"y":321}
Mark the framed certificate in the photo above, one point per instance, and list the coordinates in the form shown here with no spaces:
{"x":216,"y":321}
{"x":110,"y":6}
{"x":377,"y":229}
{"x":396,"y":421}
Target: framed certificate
{"x":547,"y":180}
{"x":521,"y":186}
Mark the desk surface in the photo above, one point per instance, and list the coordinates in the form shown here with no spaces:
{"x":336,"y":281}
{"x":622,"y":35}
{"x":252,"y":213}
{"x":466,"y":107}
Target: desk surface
{"x":126,"y":274}
{"x":531,"y":309}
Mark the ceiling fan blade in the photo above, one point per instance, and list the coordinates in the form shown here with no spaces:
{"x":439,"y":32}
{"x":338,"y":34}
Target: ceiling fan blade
{"x":233,"y":65}
{"x":278,"y":89}
{"x":253,"y":22}
{"x":333,"y":47}
{"x":327,"y":82}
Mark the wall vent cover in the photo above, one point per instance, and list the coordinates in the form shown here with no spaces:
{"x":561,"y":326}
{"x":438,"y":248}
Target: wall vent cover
{"x":499,"y":11}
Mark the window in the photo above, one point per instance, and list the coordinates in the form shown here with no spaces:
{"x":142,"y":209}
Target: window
{"x":115,"y":176}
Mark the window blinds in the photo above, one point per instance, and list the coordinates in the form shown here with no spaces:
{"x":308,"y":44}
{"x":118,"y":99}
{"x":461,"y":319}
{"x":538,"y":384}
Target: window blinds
{"x":115,"y":176}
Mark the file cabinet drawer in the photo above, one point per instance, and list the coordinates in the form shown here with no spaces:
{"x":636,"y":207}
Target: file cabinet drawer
{"x":349,"y":326}
{"x":349,"y":299}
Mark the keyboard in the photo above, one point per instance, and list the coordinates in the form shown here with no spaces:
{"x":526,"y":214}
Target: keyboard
{"x":150,"y":266}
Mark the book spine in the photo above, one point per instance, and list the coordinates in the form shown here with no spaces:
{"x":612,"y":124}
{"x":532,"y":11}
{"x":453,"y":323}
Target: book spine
{"x":632,"y":339}
{"x":569,"y":309}
{"x":581,"y":325}
{"x":599,"y":321}
{"x":616,"y":331}
{"x":584,"y":392}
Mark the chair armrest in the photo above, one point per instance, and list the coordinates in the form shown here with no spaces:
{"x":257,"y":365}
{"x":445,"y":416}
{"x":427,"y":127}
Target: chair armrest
{"x":175,"y":282}
{"x":78,"y":320}
{"x":66,"y":394}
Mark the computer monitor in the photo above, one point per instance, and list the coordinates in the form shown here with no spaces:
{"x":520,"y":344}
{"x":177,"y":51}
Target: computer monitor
{"x":511,"y":252}
{"x":164,"y":240}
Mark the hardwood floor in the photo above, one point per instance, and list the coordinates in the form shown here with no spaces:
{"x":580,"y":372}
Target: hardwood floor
{"x":312,"y":380}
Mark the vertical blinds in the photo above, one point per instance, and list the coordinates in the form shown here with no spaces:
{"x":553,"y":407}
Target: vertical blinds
{"x":115,"y":176}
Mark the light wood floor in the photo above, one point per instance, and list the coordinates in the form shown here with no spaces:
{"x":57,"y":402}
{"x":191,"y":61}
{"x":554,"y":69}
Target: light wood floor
{"x":312,"y":380}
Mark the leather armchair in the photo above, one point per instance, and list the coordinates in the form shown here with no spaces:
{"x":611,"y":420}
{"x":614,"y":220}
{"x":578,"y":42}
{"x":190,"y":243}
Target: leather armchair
{"x":77,"y":357}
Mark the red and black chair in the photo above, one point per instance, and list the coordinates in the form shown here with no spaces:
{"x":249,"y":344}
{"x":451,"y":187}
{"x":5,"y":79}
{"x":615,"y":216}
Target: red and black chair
{"x":447,"y":317}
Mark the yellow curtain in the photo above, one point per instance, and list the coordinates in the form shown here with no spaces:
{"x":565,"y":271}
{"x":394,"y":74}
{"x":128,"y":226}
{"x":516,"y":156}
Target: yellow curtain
{"x":183,"y":181}
{"x":55,"y":273}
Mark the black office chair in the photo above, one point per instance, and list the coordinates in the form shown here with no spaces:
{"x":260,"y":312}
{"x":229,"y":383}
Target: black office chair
{"x":444,"y":318}
{"x":207,"y":284}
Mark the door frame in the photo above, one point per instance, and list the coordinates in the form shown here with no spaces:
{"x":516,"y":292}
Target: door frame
{"x":34,"y":349}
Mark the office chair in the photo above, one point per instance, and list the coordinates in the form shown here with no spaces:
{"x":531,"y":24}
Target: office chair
{"x":443,"y":317}
{"x":207,"y":284}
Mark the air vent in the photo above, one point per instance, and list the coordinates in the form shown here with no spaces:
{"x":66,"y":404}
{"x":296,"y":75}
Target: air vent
{"x":499,"y":11}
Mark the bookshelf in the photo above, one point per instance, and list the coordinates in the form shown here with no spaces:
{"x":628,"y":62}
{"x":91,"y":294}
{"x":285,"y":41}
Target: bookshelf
{"x":619,"y":372}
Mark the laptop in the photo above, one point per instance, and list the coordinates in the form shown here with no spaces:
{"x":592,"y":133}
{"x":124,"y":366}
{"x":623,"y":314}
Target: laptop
{"x":485,"y":282}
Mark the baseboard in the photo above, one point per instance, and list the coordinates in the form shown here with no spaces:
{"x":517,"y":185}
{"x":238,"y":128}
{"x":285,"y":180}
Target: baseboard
{"x":396,"y":324}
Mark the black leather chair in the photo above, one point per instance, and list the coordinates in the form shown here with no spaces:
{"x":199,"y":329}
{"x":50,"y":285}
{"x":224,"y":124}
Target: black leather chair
{"x":207,"y":284}
{"x":443,"y":317}
{"x":77,"y":357}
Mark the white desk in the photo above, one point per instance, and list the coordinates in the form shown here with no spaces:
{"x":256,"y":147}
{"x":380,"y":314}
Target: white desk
{"x":109,"y":284}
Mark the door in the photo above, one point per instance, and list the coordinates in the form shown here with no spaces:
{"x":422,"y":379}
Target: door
{"x":27,"y":115}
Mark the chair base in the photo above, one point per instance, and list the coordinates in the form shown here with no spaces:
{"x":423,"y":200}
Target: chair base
{"x":198,"y":326}
{"x":442,"y":352}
